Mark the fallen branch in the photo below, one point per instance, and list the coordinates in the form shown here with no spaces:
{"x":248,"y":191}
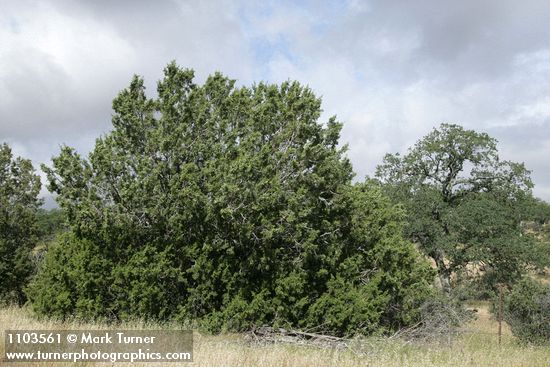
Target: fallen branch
{"x":277,"y":335}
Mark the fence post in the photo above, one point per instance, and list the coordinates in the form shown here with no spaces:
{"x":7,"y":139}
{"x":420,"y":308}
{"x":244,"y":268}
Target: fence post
{"x":499,"y":314}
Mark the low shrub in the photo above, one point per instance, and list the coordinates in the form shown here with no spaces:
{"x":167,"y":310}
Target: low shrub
{"x":527,"y":311}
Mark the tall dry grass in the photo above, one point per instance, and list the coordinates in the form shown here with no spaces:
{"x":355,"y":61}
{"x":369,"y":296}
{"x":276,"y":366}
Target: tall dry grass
{"x":477,"y":347}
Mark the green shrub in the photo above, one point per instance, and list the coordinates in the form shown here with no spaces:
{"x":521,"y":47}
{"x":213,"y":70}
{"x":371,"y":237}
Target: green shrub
{"x":19,"y":203}
{"x":527,"y":311}
{"x":230,"y":206}
{"x":73,"y":280}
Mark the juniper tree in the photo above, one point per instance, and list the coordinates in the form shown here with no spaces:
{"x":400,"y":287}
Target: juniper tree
{"x":231,"y":205}
{"x":19,"y":203}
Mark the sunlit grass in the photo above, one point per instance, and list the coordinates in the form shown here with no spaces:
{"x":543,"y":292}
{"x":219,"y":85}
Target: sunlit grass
{"x":477,"y":346}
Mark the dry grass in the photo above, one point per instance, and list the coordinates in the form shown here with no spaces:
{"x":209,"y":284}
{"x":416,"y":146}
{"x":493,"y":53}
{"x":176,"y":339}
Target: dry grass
{"x":544,"y":278}
{"x":479,"y":347}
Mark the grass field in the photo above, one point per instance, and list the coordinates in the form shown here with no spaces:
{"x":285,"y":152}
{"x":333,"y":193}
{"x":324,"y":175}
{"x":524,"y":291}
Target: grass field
{"x":476,"y":347}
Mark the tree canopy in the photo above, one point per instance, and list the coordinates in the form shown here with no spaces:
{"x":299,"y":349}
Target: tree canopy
{"x":466,"y":206}
{"x":19,"y":188}
{"x":229,"y":205}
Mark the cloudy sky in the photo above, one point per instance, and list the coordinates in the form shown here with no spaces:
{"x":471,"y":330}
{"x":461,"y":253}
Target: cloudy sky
{"x":390,"y":70}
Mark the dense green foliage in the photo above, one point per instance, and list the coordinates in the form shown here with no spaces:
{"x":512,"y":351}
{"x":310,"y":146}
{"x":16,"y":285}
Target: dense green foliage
{"x":466,"y":206}
{"x":50,"y":223}
{"x":231,"y":206}
{"x":527,"y":311}
{"x":538,"y":212}
{"x":539,"y":224}
{"x":19,"y":188}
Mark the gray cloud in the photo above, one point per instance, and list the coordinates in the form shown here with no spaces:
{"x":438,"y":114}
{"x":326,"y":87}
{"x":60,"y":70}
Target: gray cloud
{"x":460,"y":41}
{"x":393,"y":70}
{"x":533,"y":141}
{"x":390,"y":70}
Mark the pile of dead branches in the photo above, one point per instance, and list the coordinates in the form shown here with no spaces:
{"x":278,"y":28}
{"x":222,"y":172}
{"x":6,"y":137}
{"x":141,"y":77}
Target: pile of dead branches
{"x":359,"y":345}
{"x":440,"y":322}
{"x":266,"y":335}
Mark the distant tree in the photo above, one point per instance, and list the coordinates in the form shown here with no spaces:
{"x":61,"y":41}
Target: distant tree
{"x":50,"y":223}
{"x":465,"y":205}
{"x":19,"y":203}
{"x":50,"y":226}
{"x":537,"y":213}
{"x":232,"y":206}
{"x":537,"y":224}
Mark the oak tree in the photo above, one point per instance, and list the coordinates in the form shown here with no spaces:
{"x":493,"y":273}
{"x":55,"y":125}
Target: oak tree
{"x":466,"y":206}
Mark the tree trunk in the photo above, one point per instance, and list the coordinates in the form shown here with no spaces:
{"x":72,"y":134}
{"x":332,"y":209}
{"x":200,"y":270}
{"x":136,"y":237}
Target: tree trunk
{"x":443,"y":272}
